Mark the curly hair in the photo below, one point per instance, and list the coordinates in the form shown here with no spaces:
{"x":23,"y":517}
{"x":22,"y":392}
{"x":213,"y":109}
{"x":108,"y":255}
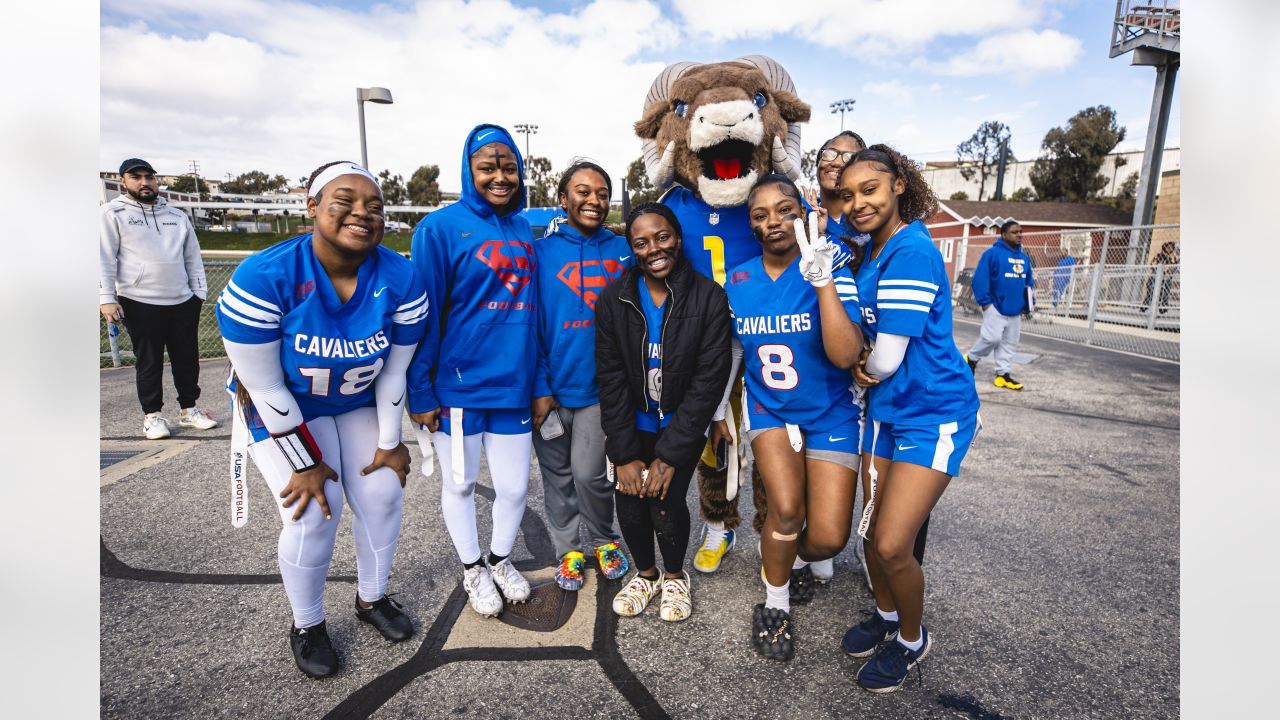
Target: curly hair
{"x":917,"y":201}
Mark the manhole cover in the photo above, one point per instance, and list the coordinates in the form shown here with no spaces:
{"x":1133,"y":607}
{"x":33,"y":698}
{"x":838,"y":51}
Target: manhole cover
{"x":107,"y":458}
{"x":548,"y":608}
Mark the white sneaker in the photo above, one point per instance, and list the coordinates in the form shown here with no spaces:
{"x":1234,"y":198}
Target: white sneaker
{"x":823,"y":569}
{"x":509,"y":581}
{"x":154,"y":426}
{"x":194,"y":417}
{"x":859,"y":551}
{"x":481,"y":593}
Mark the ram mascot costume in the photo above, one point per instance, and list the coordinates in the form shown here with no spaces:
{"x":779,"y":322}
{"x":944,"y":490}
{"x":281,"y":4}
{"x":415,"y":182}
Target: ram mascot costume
{"x":710,"y":131}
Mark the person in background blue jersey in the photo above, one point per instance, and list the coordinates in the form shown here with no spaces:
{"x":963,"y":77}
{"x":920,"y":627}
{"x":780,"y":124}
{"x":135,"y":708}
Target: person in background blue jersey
{"x":576,"y":260}
{"x":320,"y":330}
{"x":797,"y":319}
{"x":472,"y":381}
{"x":921,"y":402}
{"x":1001,"y":282}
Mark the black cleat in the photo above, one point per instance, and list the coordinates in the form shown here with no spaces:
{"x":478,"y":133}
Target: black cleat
{"x":313,"y":651}
{"x":386,"y":615}
{"x":773,"y":633}
{"x":973,"y":364}
{"x":803,"y":585}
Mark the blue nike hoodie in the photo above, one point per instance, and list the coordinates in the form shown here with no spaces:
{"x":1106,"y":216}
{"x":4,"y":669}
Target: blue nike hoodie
{"x":479,"y":269}
{"x":1001,"y":278}
{"x":572,"y":270}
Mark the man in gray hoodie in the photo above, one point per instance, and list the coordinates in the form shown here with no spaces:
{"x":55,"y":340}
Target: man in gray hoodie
{"x":153,"y":280}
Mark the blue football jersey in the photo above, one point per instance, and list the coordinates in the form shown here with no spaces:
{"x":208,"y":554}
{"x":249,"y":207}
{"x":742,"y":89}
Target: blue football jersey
{"x":905,"y":291}
{"x":778,"y":324}
{"x":331,"y":351}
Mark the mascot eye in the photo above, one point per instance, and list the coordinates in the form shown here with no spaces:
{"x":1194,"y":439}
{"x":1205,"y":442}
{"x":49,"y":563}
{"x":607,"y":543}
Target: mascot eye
{"x":682,"y":108}
{"x":760,"y":100}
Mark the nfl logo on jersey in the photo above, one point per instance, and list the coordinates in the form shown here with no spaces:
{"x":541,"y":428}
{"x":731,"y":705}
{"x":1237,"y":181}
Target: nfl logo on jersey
{"x":714,"y":218}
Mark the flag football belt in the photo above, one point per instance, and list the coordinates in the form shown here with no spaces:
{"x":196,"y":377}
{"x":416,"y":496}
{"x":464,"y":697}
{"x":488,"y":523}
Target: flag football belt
{"x":299,"y":448}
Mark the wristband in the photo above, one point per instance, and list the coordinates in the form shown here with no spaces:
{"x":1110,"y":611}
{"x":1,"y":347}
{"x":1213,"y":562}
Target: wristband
{"x":299,"y":448}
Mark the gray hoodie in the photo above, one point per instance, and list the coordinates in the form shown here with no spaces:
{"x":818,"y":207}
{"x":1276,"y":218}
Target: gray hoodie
{"x":148,"y":253}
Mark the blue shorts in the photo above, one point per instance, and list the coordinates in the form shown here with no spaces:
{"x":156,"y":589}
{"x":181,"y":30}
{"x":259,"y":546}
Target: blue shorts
{"x":496,"y":421}
{"x":838,"y":444}
{"x":941,"y":447}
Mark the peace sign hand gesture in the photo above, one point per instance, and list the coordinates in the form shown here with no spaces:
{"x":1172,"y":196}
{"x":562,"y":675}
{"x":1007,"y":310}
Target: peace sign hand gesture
{"x":816,"y":254}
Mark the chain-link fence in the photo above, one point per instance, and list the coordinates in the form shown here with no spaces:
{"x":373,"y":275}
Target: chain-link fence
{"x":217,"y":273}
{"x":1118,"y":288}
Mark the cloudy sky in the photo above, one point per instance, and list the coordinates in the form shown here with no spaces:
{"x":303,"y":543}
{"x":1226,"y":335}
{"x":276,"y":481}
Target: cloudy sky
{"x":269,"y":85}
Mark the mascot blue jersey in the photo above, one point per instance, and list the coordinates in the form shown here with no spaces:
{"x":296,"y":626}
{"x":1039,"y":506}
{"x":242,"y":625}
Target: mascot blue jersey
{"x":331,"y":351}
{"x":905,"y":291}
{"x":778,"y":324}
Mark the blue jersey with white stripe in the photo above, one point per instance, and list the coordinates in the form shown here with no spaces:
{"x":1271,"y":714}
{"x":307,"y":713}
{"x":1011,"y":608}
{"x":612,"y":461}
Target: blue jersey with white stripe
{"x":331,"y":351}
{"x":779,"y":325}
{"x":904,"y":291}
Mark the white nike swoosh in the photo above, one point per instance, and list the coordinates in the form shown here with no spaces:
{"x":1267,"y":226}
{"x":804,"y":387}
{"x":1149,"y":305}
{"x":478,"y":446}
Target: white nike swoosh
{"x":908,"y":447}
{"x":835,"y":439}
{"x":525,"y":421}
{"x":378,"y":292}
{"x":624,"y":257}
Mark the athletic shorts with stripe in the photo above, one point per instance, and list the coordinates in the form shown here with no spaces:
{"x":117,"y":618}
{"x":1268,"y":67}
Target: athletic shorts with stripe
{"x":941,"y":447}
{"x":838,"y":444}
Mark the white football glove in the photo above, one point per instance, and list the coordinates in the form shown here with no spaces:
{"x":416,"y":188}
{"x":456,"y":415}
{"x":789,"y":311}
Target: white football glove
{"x":816,"y":256}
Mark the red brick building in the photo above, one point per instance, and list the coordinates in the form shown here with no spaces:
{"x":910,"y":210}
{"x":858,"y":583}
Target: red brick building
{"x":963,"y":229}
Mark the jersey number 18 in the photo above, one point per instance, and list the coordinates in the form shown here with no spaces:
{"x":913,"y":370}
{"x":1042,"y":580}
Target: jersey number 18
{"x":355,"y":380}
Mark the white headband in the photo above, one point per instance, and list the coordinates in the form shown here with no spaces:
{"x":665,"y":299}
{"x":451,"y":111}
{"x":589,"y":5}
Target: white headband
{"x":335,"y":171}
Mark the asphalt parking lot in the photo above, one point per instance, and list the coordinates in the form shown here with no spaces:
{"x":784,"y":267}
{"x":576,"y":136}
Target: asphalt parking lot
{"x":1052,"y":586}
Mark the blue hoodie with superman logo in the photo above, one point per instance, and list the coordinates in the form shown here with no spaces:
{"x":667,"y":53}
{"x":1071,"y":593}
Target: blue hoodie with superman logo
{"x":480,"y":270}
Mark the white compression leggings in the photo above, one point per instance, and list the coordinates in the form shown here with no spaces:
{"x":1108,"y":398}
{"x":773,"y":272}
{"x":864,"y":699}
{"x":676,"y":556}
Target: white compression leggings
{"x":508,"y":457}
{"x":347,"y":442}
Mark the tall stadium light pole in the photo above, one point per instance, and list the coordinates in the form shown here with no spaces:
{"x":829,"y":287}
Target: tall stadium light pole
{"x":379,"y":95}
{"x":842,"y":106}
{"x":528,"y":129}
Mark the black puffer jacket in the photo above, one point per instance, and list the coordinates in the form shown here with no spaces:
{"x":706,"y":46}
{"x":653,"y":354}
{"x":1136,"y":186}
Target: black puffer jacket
{"x":695,"y":363}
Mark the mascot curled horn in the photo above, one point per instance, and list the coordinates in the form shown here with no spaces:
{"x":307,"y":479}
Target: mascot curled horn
{"x":714,"y":129}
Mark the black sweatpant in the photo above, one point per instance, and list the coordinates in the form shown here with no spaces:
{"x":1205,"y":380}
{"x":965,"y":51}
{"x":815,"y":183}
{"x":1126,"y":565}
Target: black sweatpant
{"x":643,"y":519}
{"x":155,"y":328}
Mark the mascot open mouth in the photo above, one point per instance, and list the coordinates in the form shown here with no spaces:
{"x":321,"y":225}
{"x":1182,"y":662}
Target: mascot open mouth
{"x":727,"y":160}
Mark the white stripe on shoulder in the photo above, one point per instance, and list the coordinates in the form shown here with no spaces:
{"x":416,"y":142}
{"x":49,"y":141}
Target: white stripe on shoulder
{"x":409,"y":317}
{"x":410,"y":305}
{"x":908,"y":283}
{"x":241,"y":319}
{"x":923,"y":296}
{"x":252,"y":298}
{"x":229,"y":300}
{"x":902,"y":306}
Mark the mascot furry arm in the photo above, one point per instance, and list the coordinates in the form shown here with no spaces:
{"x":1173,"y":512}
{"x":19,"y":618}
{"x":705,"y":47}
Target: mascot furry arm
{"x":717,"y":128}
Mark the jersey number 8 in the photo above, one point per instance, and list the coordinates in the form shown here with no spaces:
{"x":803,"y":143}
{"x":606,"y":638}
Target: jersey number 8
{"x":776,"y":370}
{"x":355,"y":380}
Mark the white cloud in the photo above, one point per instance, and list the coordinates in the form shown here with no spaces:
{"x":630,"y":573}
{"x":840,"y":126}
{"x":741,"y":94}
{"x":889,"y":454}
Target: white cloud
{"x":1020,"y":53}
{"x":260,"y":85}
{"x":853,"y":26}
{"x":979,"y":97}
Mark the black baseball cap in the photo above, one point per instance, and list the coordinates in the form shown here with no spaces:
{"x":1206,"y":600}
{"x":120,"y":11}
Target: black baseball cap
{"x":134,"y":164}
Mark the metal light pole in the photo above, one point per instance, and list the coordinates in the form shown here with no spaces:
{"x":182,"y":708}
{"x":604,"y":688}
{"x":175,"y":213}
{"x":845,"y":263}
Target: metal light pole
{"x":379,"y":95}
{"x":842,"y":106}
{"x":528,"y":129}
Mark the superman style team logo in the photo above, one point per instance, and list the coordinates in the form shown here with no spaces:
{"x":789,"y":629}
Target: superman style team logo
{"x":589,"y":278}
{"x":515,"y":269}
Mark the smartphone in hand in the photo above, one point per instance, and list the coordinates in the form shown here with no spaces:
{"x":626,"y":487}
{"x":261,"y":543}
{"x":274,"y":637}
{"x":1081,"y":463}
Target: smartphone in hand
{"x":552,"y":427}
{"x":722,"y":456}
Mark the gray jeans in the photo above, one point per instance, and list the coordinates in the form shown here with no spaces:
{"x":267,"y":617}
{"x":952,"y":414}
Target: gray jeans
{"x":575,"y":489}
{"x":999,"y":333}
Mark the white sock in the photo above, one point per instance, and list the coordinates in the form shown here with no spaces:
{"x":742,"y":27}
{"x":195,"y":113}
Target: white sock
{"x":798,"y":563}
{"x":778,"y":597}
{"x":890,"y":616}
{"x":715,"y":533}
{"x":912,"y":645}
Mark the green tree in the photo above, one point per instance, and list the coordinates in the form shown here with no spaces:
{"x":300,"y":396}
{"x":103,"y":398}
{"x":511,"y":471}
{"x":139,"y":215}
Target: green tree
{"x":542,"y":184}
{"x":190,"y":184}
{"x":980,"y":155}
{"x":638,"y":184}
{"x":423,"y":187}
{"x":393,"y":189}
{"x":959,"y":195}
{"x":1074,"y":154}
{"x":1023,"y":194}
{"x":809,"y":165}
{"x":255,"y":182}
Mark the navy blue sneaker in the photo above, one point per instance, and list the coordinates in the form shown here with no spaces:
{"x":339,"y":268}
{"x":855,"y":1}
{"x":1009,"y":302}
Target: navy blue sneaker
{"x":886,"y":672}
{"x":862,"y":639}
